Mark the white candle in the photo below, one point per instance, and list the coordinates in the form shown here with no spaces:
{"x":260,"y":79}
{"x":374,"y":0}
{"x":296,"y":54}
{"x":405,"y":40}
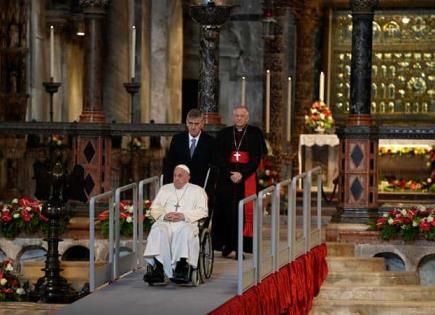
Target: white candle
{"x":51,"y":52}
{"x":243,"y":92}
{"x":289,"y":108}
{"x":267,"y":101}
{"x":133,"y":51}
{"x":322,"y":87}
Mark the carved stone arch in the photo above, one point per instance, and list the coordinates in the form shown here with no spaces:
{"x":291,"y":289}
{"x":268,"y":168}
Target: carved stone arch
{"x":3,"y":255}
{"x":426,"y":269}
{"x":394,"y":260}
{"x":29,"y":253}
{"x":76,"y":252}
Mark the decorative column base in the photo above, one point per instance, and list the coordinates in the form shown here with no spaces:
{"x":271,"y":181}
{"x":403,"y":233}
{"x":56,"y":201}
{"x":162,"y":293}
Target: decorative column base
{"x":92,"y":116}
{"x":358,"y":193}
{"x":212,"y":118}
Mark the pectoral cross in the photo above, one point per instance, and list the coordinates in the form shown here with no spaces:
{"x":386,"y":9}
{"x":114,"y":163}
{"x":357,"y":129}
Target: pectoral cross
{"x":237,"y":155}
{"x":176,"y":207}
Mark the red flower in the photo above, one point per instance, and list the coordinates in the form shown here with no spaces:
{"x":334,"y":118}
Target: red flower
{"x":103,"y":216}
{"x":26,"y":216}
{"x":6,"y":217}
{"x":380,"y":221}
{"x":425,"y":226}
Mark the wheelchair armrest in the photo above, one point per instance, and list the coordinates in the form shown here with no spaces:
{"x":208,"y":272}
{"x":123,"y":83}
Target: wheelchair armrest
{"x":203,"y":223}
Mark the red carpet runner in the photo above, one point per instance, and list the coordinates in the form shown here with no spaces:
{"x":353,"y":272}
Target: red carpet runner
{"x":289,"y":291}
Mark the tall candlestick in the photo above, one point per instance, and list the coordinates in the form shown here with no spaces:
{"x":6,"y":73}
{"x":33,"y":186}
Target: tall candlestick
{"x":322,"y":87}
{"x":289,"y":107}
{"x":133,"y":51}
{"x":51,"y":51}
{"x":267,"y":101}
{"x":243,"y":92}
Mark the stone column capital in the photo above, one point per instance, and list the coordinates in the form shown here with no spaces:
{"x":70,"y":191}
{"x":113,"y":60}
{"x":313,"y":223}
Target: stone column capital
{"x":363,"y":6}
{"x":307,"y":10}
{"x":93,"y":6}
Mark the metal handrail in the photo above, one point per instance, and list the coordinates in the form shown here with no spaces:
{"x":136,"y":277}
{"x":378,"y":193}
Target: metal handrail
{"x":91,"y":245}
{"x":284,"y":183}
{"x":118,"y":192}
{"x":259,"y":226}
{"x":317,"y":171}
{"x":148,"y":181}
{"x":253,"y":199}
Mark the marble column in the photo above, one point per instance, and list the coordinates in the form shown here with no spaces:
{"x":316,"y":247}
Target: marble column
{"x":276,"y":60}
{"x":308,"y":15}
{"x":94,"y":12}
{"x":93,"y":152}
{"x":210,"y":16}
{"x":359,"y":139}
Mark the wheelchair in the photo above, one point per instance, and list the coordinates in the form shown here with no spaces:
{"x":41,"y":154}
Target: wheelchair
{"x":204,"y":268}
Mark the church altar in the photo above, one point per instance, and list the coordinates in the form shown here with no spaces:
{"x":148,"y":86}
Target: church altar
{"x":310,"y":140}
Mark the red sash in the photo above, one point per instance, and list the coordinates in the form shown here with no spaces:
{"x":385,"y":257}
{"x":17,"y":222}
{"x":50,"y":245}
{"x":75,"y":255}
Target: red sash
{"x":242,"y":157}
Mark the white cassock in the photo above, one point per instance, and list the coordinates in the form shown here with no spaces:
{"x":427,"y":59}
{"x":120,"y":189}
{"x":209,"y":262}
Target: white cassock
{"x":170,"y":241}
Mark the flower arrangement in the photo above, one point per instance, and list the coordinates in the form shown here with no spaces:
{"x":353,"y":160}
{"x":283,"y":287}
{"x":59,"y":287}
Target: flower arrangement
{"x":404,"y":150}
{"x":319,"y":118}
{"x":21,"y":215}
{"x":411,"y":185}
{"x":126,"y":218}
{"x":138,"y":144}
{"x":266,"y":174}
{"x":408,"y":223}
{"x":56,"y":140}
{"x":11,"y":288}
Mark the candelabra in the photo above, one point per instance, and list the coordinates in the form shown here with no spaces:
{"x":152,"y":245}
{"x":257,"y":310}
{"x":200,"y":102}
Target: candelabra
{"x":52,"y":288}
{"x":51,"y":87}
{"x":132,"y":88}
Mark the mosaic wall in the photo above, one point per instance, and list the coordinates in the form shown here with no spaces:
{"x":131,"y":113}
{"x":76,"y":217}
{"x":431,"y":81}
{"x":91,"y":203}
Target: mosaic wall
{"x":403,"y":65}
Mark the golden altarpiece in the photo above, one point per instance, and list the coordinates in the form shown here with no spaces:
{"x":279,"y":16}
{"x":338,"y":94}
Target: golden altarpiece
{"x":403,"y":91}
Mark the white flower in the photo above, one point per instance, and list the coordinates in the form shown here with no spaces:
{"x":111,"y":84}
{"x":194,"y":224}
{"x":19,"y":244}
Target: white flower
{"x":5,"y":209}
{"x":403,"y":212}
{"x":9,"y":267}
{"x":28,"y":209}
{"x":322,"y":116}
{"x":3,"y":281}
{"x":385,"y":215}
{"x":129,"y":219}
{"x":430,"y":218}
{"x":129,"y":209}
{"x":267,"y":172}
{"x":390,"y":221}
{"x":16,"y":215}
{"x":20,"y":291}
{"x":15,"y":200}
{"x":261,"y":182}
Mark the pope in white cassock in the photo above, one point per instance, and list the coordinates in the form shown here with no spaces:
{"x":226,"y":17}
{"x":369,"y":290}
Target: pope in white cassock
{"x":173,"y":240}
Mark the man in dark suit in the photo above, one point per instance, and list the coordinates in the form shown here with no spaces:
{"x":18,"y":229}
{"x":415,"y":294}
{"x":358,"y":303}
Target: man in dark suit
{"x":193,"y":148}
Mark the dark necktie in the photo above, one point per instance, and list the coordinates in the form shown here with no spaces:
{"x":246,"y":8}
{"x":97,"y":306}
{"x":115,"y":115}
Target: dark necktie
{"x":192,"y":146}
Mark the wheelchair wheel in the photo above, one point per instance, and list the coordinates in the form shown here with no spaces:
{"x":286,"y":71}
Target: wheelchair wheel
{"x":206,"y":256}
{"x":195,"y":277}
